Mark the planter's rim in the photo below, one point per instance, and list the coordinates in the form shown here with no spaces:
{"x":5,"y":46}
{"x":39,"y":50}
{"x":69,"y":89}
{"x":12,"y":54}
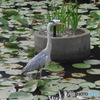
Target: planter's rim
{"x":63,"y":37}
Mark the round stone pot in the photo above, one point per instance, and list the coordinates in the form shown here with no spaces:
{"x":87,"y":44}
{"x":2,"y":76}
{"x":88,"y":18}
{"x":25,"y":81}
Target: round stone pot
{"x":66,"y":49}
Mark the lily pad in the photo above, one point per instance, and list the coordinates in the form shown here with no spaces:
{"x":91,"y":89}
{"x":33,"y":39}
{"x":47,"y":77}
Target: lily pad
{"x":88,"y":6}
{"x":87,"y":84}
{"x":92,"y":62}
{"x":13,"y":72}
{"x":54,"y":67}
{"x":78,"y":74}
{"x":47,"y":90}
{"x":7,"y":83}
{"x":71,"y":87}
{"x":5,"y":92}
{"x":92,"y":24}
{"x":21,"y":96}
{"x":94,"y":71}
{"x":40,"y":97}
{"x":97,"y":82}
{"x":81,"y":65}
{"x":53,"y":77}
{"x":71,"y":98}
{"x":77,"y":81}
{"x":30,"y":86}
{"x":7,"y":65}
{"x":11,"y":45}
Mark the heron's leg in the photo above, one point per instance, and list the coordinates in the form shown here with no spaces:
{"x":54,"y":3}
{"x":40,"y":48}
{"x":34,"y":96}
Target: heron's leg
{"x":41,"y":72}
{"x":36,"y":74}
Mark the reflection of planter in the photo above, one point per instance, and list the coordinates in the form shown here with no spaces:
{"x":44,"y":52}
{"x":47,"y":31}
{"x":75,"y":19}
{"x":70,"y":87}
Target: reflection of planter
{"x":73,"y":48}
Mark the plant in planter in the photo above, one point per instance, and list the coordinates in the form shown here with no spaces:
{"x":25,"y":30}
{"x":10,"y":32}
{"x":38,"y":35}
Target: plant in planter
{"x":70,"y":42}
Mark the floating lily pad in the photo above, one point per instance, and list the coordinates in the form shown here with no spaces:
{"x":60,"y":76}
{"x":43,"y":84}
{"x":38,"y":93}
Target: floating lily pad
{"x":47,"y":90}
{"x":78,"y":74}
{"x":94,"y":71}
{"x":81,"y":65}
{"x":97,"y":82}
{"x":30,"y":86}
{"x":7,"y":65}
{"x":88,"y":6}
{"x":72,"y":87}
{"x":11,"y":45}
{"x":53,"y":77}
{"x":77,"y":81}
{"x":82,"y":10}
{"x":21,"y":96}
{"x":87,"y":84}
{"x":40,"y":97}
{"x":7,"y":83}
{"x":5,"y":92}
{"x":13,"y":72}
{"x":71,"y":98}
{"x":32,"y":52}
{"x":92,"y":24}
{"x":92,"y":62}
{"x":54,"y":67}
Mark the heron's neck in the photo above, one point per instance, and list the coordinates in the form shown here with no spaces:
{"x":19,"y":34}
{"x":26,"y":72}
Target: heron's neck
{"x":49,"y":42}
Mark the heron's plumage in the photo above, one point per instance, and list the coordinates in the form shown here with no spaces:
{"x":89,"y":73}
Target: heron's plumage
{"x":37,"y":62}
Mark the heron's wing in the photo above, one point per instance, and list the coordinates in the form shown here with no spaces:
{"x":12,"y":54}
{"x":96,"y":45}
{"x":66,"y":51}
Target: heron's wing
{"x":36,"y":62}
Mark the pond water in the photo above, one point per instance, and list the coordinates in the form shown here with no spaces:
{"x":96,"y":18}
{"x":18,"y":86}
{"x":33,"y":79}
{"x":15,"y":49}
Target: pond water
{"x":91,"y":78}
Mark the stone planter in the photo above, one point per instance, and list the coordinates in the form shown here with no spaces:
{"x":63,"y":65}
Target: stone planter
{"x":66,"y":49}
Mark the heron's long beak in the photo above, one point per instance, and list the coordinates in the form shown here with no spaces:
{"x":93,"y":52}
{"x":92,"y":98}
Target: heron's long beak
{"x":58,"y":23}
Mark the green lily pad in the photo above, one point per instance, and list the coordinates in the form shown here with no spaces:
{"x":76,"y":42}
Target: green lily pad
{"x":82,"y":22}
{"x":11,"y":45}
{"x":88,"y":6}
{"x":97,"y":82}
{"x":71,"y":98}
{"x":87,"y":84}
{"x":81,"y":65}
{"x":40,"y":97}
{"x":21,"y":96}
{"x":32,"y":52}
{"x":54,"y":67}
{"x":95,"y":33}
{"x":78,"y":74}
{"x":71,"y":87}
{"x":6,"y":91}
{"x":7,"y":65}
{"x":53,"y":77}
{"x":77,"y":81}
{"x":30,"y":86}
{"x":94,"y":15}
{"x":95,"y":43}
{"x":82,"y":10}
{"x":94,"y":71}
{"x":13,"y":37}
{"x":92,"y":62}
{"x":49,"y":90}
{"x":13,"y":72}
{"x":92,"y":24}
{"x":7,"y":83}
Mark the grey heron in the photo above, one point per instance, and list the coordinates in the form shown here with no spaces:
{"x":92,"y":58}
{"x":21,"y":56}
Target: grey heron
{"x":42,"y":58}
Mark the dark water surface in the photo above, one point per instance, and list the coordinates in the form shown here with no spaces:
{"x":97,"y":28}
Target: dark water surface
{"x":95,"y":54}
